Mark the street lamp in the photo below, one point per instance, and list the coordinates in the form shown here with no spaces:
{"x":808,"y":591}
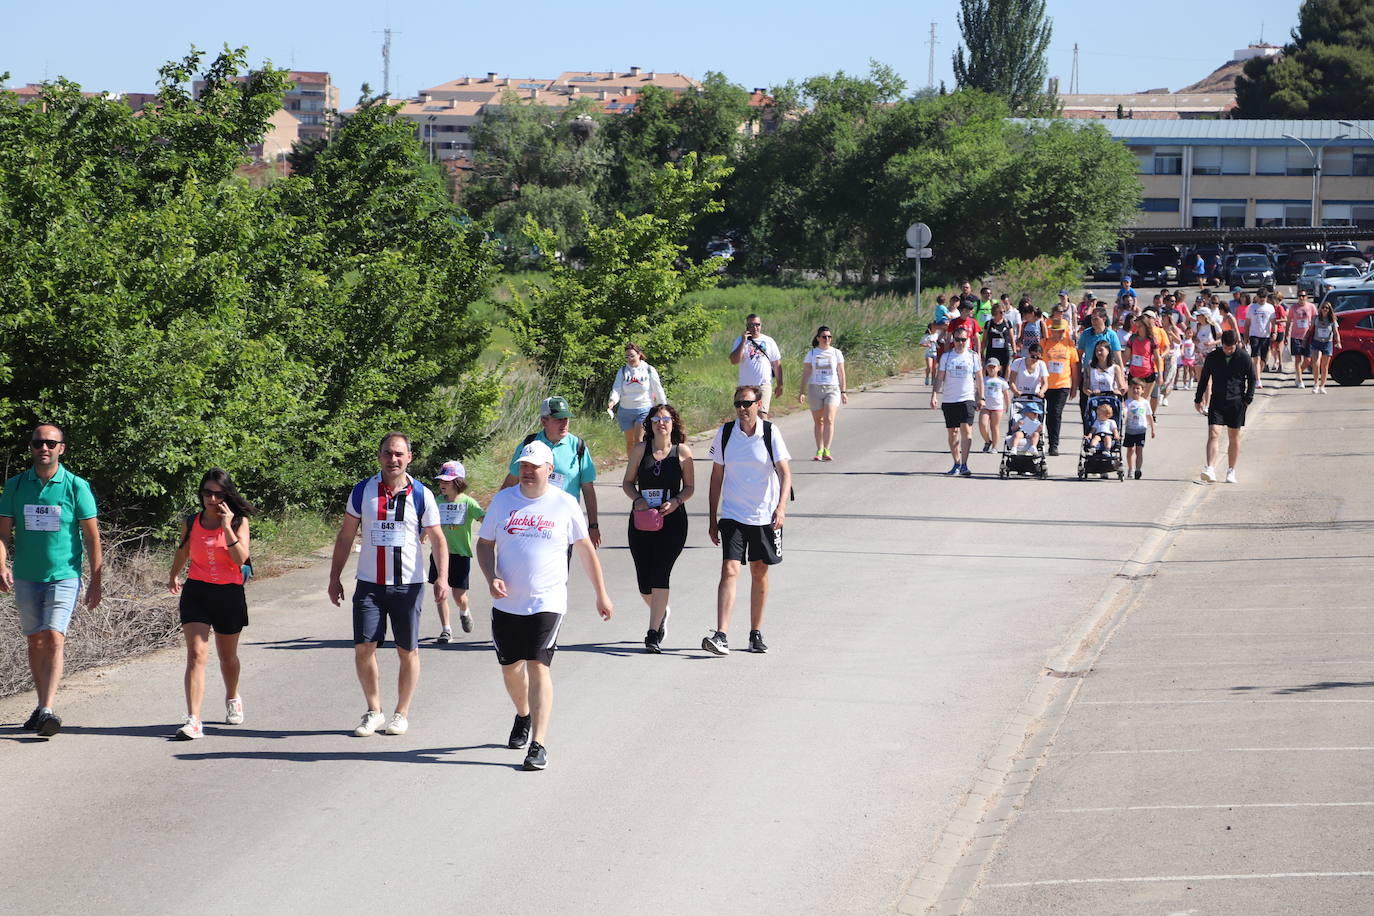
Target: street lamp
{"x":1355,"y":126}
{"x":1316,"y":168}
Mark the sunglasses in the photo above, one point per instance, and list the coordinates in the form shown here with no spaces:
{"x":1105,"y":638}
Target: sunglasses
{"x":45,"y":443}
{"x":754,"y":324}
{"x":823,"y":336}
{"x":206,"y":491}
{"x":745,"y":404}
{"x":666,"y":419}
{"x":960,"y":339}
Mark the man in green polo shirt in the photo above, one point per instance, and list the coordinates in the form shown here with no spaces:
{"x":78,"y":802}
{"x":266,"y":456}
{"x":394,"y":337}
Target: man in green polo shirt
{"x":50,"y":514}
{"x":573,"y":469}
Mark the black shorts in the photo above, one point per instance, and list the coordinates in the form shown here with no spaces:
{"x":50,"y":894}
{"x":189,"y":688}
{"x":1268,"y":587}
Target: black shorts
{"x":1259,"y":347}
{"x":1298,"y":347}
{"x":742,"y":542}
{"x":959,"y":413}
{"x":459,"y":569}
{"x":525,"y":637}
{"x":1226,"y":413}
{"x":373,"y":604}
{"x":222,"y":607}
{"x":1133,"y":440}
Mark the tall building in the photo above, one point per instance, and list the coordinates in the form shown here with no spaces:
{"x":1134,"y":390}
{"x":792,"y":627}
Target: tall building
{"x":304,"y":115}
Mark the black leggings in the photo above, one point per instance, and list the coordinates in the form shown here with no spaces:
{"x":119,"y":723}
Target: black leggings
{"x":1055,"y":398}
{"x":655,"y":552}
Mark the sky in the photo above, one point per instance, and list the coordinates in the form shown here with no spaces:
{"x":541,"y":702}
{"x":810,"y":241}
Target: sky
{"x":760,"y":43}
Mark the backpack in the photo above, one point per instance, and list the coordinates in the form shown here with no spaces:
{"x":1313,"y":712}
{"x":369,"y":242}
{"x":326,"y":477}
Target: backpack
{"x":728,"y":428}
{"x":581,"y":451}
{"x":246,"y":568}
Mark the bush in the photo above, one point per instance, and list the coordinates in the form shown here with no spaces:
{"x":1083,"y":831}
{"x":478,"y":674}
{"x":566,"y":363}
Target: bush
{"x":1040,"y":278}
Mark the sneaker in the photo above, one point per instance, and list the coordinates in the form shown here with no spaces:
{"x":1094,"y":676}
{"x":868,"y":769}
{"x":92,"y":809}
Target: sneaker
{"x":31,"y":723}
{"x":1230,"y":475}
{"x":987,"y":447}
{"x":445,"y":635}
{"x":756,"y":643}
{"x":1321,"y":390}
{"x":1259,"y":384}
{"x":233,"y":711}
{"x":1137,"y":473}
{"x":519,"y":733}
{"x":820,"y":455}
{"x":190,"y":730}
{"x":49,"y":724}
{"x":372,"y":720}
{"x":537,"y":758}
{"x":652,"y":640}
{"x":826,"y":456}
{"x":1163,"y":402}
{"x":1054,"y":451}
{"x":465,"y":621}
{"x":964,"y":471}
{"x":398,"y":725}
{"x":953,"y":471}
{"x":716,"y":644}
{"x":1209,"y":475}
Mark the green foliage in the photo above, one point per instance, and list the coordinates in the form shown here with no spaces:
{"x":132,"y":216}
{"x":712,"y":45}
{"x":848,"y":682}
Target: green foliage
{"x":1005,"y":42}
{"x":1327,"y":71}
{"x":632,"y":289}
{"x":1040,"y":278}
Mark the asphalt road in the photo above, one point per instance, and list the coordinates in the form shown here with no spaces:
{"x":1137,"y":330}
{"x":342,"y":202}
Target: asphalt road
{"x":910,"y":624}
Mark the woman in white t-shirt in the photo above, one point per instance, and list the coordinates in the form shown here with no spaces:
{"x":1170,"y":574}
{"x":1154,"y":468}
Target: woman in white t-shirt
{"x":637,"y":389}
{"x":823,"y":387}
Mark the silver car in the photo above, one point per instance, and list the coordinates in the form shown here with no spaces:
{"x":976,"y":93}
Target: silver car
{"x":1332,"y":272}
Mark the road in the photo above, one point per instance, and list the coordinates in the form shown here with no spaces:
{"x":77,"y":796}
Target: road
{"x":910,"y":628}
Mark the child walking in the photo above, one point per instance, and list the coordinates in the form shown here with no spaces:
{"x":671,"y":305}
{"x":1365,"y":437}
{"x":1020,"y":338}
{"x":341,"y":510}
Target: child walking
{"x":995,"y":390}
{"x":458,"y":512}
{"x":1138,"y":419}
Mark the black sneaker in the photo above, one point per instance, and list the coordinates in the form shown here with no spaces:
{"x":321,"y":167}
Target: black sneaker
{"x":1137,"y":473}
{"x":652,"y":640}
{"x":520,"y":733}
{"x":716,"y":644}
{"x":537,"y":758}
{"x":466,"y":621}
{"x":1054,"y":451}
{"x":31,"y":723}
{"x":756,"y":642}
{"x":445,"y":636}
{"x":49,"y":724}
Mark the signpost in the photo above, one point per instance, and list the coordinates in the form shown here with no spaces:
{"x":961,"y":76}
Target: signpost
{"x":918,"y":237}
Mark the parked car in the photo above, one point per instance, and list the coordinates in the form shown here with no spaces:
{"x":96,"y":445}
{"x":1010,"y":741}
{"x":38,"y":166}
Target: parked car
{"x":1351,"y":298}
{"x":1149,"y":270}
{"x":1320,"y":285}
{"x":1346,"y":254}
{"x":1250,"y":270}
{"x":1292,"y":266}
{"x":1110,"y":268}
{"x":1364,"y":279}
{"x":1353,"y":361}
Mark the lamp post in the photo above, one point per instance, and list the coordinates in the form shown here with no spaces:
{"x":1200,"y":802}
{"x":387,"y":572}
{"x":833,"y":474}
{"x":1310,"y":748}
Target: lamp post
{"x":1316,"y":170}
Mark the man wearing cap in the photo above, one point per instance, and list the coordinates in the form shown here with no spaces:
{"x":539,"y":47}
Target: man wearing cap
{"x":1150,"y":316}
{"x":760,"y":361}
{"x":51,"y":515}
{"x":958,"y":392}
{"x":1230,"y":373}
{"x":521,"y":549}
{"x":396,"y":513}
{"x":458,"y":513}
{"x":573,"y":469}
{"x":1061,"y":359}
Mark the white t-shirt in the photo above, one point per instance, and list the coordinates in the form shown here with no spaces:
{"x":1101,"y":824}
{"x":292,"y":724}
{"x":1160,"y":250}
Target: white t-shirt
{"x":1105,"y":427}
{"x":1137,"y":415}
{"x":993,"y":389}
{"x":959,"y":370}
{"x":1028,"y":424}
{"x":751,"y":490}
{"x":824,"y":365}
{"x":930,"y":342}
{"x":637,"y":387}
{"x":532,"y":538}
{"x":1028,"y":382}
{"x":392,"y":538}
{"x":1261,"y":319}
{"x":756,"y":359}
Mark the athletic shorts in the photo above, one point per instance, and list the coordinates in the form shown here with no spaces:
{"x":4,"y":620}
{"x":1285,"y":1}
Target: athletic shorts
{"x":1133,"y":440}
{"x":525,"y":637}
{"x":747,"y":543}
{"x":1230,"y":414}
{"x":46,"y":605}
{"x":1259,"y":347}
{"x":959,"y":413}
{"x":221,"y":607}
{"x":1298,"y":347}
{"x":818,"y":396}
{"x":373,"y":604}
{"x":765,"y":397}
{"x":630,"y":417}
{"x":459,"y":569}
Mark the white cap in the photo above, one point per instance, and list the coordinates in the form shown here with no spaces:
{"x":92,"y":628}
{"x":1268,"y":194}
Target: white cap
{"x":452,"y":470}
{"x":536,"y":453}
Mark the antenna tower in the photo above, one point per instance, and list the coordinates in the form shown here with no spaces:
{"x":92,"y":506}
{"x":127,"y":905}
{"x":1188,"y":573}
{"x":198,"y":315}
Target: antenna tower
{"x":930,"y":77}
{"x":1073,"y":74}
{"x":386,"y":61}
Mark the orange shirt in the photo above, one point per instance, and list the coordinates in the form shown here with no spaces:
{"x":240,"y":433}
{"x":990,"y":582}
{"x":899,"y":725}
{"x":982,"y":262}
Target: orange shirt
{"x":210,"y":559}
{"x":1061,"y":358}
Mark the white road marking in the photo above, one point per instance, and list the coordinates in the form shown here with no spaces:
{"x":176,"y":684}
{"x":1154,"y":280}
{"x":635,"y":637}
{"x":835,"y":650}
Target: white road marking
{"x":1246,"y":698}
{"x":1230,"y":750}
{"x":1169,"y":878}
{"x":1358,"y":804}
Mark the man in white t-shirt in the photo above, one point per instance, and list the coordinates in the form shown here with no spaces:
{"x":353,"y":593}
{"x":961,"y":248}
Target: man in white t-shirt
{"x":395,"y":513}
{"x":751,"y":478}
{"x":522,"y":550}
{"x":1259,"y":325}
{"x":759,"y":360}
{"x":959,"y":381}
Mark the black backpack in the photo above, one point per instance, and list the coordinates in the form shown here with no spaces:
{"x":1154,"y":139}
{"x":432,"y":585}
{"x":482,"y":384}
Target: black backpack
{"x":728,"y":428}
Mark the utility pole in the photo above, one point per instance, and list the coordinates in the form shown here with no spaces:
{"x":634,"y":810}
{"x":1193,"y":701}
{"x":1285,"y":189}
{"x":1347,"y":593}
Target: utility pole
{"x":1073,"y":74}
{"x":386,"y":61}
{"x":930,"y":77}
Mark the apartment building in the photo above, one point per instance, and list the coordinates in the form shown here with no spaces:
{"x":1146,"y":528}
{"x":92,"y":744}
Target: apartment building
{"x":304,"y":114}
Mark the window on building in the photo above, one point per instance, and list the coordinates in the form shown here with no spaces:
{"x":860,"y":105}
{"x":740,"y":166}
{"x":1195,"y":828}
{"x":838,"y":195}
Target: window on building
{"x":1159,"y":205}
{"x":1207,"y":160}
{"x":1299,"y":161}
{"x":1339,"y":160}
{"x":1362,"y":163}
{"x":1168,"y":160}
{"x":1271,"y":160}
{"x":1335,"y":214}
{"x":1268,"y":214}
{"x":1362,"y":215}
{"x":1212,"y":214}
{"x":1235,"y":160}
{"x":1297,"y":215}
{"x":1145,"y":156}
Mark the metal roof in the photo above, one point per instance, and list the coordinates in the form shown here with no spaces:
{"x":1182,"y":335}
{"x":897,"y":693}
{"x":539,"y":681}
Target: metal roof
{"x":1204,"y":130}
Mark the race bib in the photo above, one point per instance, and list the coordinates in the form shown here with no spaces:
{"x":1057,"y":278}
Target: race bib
{"x":388,"y":534}
{"x":653,"y":497}
{"x":452,"y":513}
{"x":558,"y":479}
{"x":1300,"y":327}
{"x":1137,"y":361}
{"x":42,"y":518}
{"x":1056,"y":366}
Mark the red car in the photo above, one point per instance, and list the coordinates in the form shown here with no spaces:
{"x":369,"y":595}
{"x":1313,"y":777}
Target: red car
{"x":1353,"y":361}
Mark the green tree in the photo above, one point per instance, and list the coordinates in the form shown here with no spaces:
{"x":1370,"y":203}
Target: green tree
{"x":1326,"y":71}
{"x":1003,"y":54}
{"x":573,"y":325}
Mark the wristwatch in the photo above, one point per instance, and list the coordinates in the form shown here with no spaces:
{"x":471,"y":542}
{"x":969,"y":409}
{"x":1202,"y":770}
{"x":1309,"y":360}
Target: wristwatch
{"x":593,"y":525}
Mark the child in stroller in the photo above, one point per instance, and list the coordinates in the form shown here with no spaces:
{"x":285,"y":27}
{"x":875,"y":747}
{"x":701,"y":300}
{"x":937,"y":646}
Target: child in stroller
{"x":1023,"y":450}
{"x":1101,"y":452}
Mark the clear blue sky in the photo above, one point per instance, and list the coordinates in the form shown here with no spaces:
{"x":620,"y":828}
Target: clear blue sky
{"x":112,"y":46}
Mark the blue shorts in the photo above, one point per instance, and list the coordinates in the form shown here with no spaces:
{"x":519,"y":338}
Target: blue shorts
{"x":630,"y":417}
{"x":46,"y":605}
{"x":373,"y":604}
{"x":1319,"y":346}
{"x":1298,"y":347}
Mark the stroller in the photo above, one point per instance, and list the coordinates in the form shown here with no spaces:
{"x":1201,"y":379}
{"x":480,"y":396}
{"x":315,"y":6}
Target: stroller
{"x":1031,"y":461}
{"x":1104,"y":462}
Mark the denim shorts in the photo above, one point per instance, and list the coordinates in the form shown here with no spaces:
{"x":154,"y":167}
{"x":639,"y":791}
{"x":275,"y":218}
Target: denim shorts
{"x":630,"y":417}
{"x":46,"y":605}
{"x":1319,"y":346}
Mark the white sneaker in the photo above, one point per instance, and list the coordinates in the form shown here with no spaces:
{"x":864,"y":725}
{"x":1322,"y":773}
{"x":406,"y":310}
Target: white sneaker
{"x":372,"y":720}
{"x":233,"y":711}
{"x":1209,"y":475}
{"x":1322,"y":389}
{"x":1300,"y":384}
{"x":1230,"y":475}
{"x":190,"y":730}
{"x":398,"y":725}
{"x":1163,"y":402}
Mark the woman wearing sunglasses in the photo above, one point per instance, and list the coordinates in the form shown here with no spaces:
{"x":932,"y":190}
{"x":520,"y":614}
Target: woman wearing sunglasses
{"x":823,"y":387}
{"x":215,"y":541}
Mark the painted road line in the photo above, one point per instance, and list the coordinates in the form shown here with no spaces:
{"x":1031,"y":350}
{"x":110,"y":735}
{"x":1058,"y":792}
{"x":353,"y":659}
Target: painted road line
{"x":1271,"y":876}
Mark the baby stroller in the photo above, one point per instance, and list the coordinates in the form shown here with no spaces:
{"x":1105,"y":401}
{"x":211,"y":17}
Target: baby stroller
{"x":1105,"y":461}
{"x":1030,"y":461}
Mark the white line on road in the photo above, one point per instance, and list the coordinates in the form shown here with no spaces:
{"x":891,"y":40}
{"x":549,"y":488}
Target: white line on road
{"x":1171,"y":878}
{"x":1230,"y":750}
{"x":1359,"y":804}
{"x":1239,"y":699}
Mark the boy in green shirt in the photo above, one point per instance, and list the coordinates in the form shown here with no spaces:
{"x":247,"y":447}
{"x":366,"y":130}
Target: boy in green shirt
{"x":458,"y":512}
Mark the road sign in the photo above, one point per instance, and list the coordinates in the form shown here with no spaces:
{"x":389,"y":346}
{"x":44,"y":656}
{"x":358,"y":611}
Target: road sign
{"x":918,"y":253}
{"x":917,"y":236}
